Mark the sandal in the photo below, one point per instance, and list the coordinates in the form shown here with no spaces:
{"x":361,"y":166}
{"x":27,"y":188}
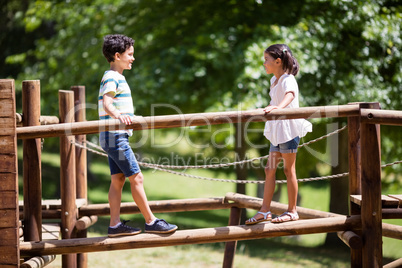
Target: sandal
{"x":287,"y":216}
{"x":253,"y":220}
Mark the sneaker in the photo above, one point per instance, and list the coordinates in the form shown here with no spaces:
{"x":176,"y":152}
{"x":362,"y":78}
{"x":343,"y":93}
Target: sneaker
{"x":160,"y":226}
{"x":122,"y":229}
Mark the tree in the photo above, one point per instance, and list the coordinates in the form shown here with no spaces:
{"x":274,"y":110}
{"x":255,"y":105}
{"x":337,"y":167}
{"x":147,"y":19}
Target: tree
{"x":207,"y":56}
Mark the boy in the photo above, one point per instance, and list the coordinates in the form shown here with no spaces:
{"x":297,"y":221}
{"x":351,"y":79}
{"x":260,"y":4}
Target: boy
{"x":115,"y":101}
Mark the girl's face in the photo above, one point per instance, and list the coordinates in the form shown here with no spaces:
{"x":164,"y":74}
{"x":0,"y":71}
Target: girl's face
{"x":271,"y":65}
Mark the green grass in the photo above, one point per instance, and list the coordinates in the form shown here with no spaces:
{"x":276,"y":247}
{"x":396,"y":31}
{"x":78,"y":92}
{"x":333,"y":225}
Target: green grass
{"x":296,"y":251}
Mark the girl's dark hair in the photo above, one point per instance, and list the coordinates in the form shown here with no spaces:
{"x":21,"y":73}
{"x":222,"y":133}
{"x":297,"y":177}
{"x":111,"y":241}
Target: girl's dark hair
{"x":282,"y":51}
{"x":115,"y":43}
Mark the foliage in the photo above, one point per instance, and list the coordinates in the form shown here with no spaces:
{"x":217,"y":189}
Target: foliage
{"x":207,"y":55}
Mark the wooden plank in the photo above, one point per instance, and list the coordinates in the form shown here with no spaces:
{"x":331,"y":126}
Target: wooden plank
{"x":7,"y":144}
{"x":54,"y":204}
{"x":389,"y":202}
{"x":357,"y":199}
{"x":7,"y":217}
{"x":7,"y":126}
{"x":5,"y":95}
{"x":8,"y":163}
{"x":50,"y":231}
{"x":8,"y":236}
{"x":8,"y":200}
{"x":386,"y":201}
{"x":8,"y":256}
{"x":397,"y":197}
{"x":194,"y":236}
{"x":6,"y":107}
{"x":8,"y":182}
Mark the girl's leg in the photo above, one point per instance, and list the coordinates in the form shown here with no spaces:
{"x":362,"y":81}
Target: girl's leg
{"x":270,"y":172}
{"x":269,"y":188}
{"x":289,"y":161}
{"x":139,"y":196}
{"x":116,"y":187}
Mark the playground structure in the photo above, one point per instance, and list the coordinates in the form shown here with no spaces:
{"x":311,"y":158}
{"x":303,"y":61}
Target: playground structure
{"x":362,"y":230}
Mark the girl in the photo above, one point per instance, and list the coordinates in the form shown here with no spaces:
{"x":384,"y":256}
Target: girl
{"x":284,"y":135}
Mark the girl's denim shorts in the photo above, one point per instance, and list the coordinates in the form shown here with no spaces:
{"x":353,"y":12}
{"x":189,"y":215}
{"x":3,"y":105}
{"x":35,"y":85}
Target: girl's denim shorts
{"x":121,"y":156}
{"x":287,"y":147}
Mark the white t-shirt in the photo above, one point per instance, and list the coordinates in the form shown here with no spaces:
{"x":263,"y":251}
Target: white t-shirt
{"x":281,"y":131}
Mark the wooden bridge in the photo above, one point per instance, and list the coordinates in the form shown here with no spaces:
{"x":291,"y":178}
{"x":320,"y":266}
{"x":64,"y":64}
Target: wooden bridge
{"x":362,"y":230}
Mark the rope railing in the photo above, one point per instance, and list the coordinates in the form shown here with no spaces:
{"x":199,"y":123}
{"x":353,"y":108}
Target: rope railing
{"x":151,"y":165}
{"x":166,"y":168}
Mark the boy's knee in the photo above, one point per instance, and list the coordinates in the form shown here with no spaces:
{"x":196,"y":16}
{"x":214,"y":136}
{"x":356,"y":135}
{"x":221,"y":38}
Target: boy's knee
{"x":137,"y":178}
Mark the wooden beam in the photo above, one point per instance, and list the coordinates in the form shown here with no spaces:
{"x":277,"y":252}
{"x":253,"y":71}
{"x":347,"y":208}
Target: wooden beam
{"x":32,"y":171}
{"x":392,"y":231}
{"x":383,"y":117}
{"x":194,"y":236}
{"x":67,"y":176}
{"x":351,"y":239}
{"x":371,"y":194}
{"x":86,"y":222}
{"x":276,"y":208}
{"x":394,"y":264}
{"x":230,"y":247}
{"x":81,"y":154}
{"x":196,"y":204}
{"x":186,"y":120}
{"x":38,"y":262}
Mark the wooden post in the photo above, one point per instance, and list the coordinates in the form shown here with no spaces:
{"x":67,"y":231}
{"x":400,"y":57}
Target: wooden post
{"x":371,"y":194}
{"x":354,"y":149}
{"x":81,"y":162}
{"x":32,"y":171}
{"x":67,"y":175}
{"x":230,"y":247}
{"x":81,"y":154}
{"x":9,"y":223}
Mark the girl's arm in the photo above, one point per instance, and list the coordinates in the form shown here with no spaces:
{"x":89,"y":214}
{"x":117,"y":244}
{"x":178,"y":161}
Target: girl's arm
{"x":113,"y":111}
{"x":289,"y":96}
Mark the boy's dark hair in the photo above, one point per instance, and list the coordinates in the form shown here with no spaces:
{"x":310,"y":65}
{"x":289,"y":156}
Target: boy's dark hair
{"x":282,"y":51}
{"x":115,"y":43}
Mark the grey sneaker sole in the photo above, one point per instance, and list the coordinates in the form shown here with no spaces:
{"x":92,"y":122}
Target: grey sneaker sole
{"x":162,"y":232}
{"x":123,"y":234}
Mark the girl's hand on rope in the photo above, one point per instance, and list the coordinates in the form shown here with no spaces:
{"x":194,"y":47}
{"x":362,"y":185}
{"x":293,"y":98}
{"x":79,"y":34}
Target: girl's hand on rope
{"x":125,"y":119}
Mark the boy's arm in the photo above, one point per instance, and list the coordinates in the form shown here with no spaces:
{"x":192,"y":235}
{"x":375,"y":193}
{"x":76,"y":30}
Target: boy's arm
{"x":111,"y":110}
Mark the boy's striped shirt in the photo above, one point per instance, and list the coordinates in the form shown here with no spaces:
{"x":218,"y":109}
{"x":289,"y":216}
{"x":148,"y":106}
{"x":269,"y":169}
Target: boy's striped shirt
{"x":115,"y":83}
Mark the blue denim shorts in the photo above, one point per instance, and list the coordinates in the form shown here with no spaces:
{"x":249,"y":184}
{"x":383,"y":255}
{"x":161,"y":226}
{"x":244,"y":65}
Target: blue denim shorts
{"x":121,"y":156}
{"x":287,"y":147}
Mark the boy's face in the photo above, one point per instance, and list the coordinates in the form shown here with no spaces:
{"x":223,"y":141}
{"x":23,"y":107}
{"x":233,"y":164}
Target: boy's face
{"x":125,"y":59}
